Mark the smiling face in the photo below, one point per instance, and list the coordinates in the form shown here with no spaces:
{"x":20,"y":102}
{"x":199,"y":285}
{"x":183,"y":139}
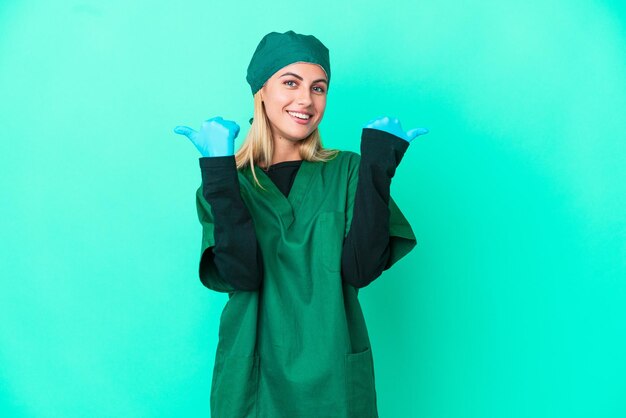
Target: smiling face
{"x":295,"y":100}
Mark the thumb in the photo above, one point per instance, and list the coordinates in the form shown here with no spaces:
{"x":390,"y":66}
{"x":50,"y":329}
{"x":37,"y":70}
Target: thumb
{"x":185,"y":130}
{"x":414,"y":133}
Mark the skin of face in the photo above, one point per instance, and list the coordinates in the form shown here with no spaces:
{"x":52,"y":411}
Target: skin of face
{"x":299,"y":87}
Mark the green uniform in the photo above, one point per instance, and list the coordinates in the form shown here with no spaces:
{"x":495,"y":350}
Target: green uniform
{"x":299,"y":346}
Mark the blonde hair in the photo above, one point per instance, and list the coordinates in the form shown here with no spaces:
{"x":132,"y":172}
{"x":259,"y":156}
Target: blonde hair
{"x":258,"y":147}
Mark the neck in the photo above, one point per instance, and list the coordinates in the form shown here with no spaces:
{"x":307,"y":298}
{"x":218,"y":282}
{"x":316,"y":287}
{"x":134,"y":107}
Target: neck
{"x":285,"y":150}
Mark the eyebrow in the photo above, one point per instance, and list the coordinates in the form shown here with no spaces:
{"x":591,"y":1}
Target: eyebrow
{"x":300,"y":78}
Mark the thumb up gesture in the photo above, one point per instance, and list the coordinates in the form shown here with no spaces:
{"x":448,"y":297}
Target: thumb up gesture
{"x":216,"y":137}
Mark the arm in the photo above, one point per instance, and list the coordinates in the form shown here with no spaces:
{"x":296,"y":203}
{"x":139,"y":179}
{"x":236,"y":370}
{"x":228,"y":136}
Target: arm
{"x":366,"y":249}
{"x":235,"y":256}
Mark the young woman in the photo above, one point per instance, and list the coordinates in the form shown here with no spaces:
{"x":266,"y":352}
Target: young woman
{"x":291,"y":231}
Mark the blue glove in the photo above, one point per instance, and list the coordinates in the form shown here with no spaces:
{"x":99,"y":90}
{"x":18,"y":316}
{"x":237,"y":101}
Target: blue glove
{"x":393,"y":127}
{"x":215,"y":139}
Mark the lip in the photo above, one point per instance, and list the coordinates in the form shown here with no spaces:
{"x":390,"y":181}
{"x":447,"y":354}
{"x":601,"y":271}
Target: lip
{"x":300,"y":121}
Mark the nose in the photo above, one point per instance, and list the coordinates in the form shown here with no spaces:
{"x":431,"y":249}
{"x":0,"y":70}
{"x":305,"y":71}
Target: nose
{"x":304,"y":97}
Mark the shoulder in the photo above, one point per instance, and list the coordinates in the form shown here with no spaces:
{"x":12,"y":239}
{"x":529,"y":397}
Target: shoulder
{"x":345,"y":158}
{"x":342,"y":165}
{"x":350,"y":160}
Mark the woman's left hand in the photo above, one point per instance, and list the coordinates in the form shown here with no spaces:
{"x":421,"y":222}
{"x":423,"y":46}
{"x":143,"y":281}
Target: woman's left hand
{"x":392,"y":126}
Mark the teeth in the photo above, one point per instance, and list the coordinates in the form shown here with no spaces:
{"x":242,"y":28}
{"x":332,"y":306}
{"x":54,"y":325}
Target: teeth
{"x":299,"y":115}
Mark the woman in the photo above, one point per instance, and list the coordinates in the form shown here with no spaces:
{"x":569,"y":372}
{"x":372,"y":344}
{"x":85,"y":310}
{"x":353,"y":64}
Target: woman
{"x":291,"y":231}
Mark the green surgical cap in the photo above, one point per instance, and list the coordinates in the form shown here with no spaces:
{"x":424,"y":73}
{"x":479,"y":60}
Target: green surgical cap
{"x":277,"y":50}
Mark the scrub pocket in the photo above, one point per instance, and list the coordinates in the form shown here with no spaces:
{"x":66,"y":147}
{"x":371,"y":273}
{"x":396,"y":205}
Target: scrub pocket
{"x":331,"y":230}
{"x":235,"y":386}
{"x":360,"y":386}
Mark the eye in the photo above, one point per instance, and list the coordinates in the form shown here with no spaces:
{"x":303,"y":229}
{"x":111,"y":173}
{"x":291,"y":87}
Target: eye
{"x":289,"y":81}
{"x":321,"y":89}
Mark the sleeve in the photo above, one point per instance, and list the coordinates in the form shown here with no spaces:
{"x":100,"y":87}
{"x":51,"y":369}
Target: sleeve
{"x":230,"y":258}
{"x":377,"y":233}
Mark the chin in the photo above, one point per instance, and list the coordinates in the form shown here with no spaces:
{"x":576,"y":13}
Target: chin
{"x":306,"y":136}
{"x":298,"y":138}
{"x":298,"y":135}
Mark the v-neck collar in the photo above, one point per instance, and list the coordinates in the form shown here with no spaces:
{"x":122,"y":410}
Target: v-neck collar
{"x":287,"y":206}
{"x":282,"y":164}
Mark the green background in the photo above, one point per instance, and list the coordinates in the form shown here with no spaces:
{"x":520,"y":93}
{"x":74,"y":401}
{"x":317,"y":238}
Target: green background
{"x":513,"y":304}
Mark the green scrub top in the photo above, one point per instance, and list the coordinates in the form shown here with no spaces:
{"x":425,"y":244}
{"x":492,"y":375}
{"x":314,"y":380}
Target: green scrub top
{"x":299,"y":346}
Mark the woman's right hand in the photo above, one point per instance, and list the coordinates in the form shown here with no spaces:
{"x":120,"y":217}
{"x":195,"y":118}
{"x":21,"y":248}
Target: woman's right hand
{"x":215,"y":139}
{"x":393,"y":126}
